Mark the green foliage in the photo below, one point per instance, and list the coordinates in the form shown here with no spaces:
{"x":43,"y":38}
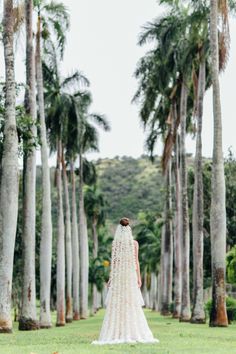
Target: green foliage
{"x":99,"y":268}
{"x":180,"y":39}
{"x":89,"y":172}
{"x":130,"y":186}
{"x":148,"y":235}
{"x":98,"y":272}
{"x":231,"y":265}
{"x":26,"y":140}
{"x":94,"y":205}
{"x":55,"y":21}
{"x":230,"y":176}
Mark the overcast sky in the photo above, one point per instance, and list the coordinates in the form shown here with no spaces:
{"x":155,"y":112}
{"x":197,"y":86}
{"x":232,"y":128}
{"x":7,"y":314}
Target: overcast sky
{"x":102,"y":42}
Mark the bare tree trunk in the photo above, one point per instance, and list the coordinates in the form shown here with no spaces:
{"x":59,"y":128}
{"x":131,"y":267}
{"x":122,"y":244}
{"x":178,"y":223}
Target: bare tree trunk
{"x":218,"y":315}
{"x":75,"y":249}
{"x":198,"y":313}
{"x":145,"y":292}
{"x":167,"y":249}
{"x":104,"y":295}
{"x":157,"y":292}
{"x":27,"y":320}
{"x":84,"y":252}
{"x":46,"y":227}
{"x":60,"y":244}
{"x":9,"y":176}
{"x":99,"y":300}
{"x":153,"y":291}
{"x":177,"y":238}
{"x":69,"y":309}
{"x":185,"y":300}
{"x":159,"y":280}
{"x":95,"y":254}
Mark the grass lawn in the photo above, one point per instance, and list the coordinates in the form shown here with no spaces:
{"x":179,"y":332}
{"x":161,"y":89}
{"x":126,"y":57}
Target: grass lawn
{"x":75,"y":338}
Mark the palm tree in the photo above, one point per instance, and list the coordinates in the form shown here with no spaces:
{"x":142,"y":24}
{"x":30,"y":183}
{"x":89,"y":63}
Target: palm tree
{"x":56,"y":15}
{"x":199,"y":24}
{"x":200,"y":45}
{"x":27,"y":320}
{"x":62,"y":108}
{"x":75,"y":247}
{"x":9,"y":176}
{"x":94,"y":207}
{"x":185,"y":301}
{"x":69,"y":312}
{"x":177,"y":236}
{"x":218,"y":315}
{"x":198,"y":313}
{"x":154,"y":112}
{"x":161,"y":78}
{"x":148,"y":234}
{"x":88,"y":140}
{"x":167,"y":248}
{"x":189,"y":29}
{"x":71,"y":148}
{"x":60,"y":241}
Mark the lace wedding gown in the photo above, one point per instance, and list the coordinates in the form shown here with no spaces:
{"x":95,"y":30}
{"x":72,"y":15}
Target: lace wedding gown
{"x":124,"y":320}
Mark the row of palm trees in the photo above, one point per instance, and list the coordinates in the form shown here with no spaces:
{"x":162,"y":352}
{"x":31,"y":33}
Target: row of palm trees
{"x":61,"y":113}
{"x":191,"y":44}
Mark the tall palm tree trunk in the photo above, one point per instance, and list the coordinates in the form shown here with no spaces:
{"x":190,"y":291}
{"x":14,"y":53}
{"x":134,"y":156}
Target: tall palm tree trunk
{"x":177,"y":238}
{"x":153,"y":291}
{"x":218,"y":315}
{"x":167,"y":249}
{"x":198,"y":313}
{"x":185,"y":299}
{"x":69,"y":310}
{"x":27,"y":319}
{"x":75,"y":248}
{"x":84,"y":254}
{"x":95,"y":254}
{"x":9,"y":176}
{"x":159,"y":280}
{"x":60,"y":243}
{"x":46,"y":226}
{"x":145,"y":291}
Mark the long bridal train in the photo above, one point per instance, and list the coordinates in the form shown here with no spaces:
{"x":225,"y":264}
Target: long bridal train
{"x":124,"y":320}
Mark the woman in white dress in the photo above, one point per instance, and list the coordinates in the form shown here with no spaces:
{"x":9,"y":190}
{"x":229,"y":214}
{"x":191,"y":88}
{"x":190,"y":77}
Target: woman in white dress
{"x":124,"y":320}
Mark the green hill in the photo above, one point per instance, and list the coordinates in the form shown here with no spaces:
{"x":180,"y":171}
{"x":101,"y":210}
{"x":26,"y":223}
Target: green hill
{"x":130,"y":186}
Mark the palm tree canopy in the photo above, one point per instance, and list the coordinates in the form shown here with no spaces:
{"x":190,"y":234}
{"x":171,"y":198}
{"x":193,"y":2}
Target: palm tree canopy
{"x":94,"y":205}
{"x":55,"y":20}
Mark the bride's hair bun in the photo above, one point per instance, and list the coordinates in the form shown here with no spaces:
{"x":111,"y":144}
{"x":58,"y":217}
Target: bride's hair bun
{"x":124,"y":221}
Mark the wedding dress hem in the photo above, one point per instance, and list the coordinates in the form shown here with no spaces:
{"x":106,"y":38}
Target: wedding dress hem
{"x":118,"y":341}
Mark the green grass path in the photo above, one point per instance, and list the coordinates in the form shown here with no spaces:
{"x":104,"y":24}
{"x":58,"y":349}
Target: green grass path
{"x":75,"y":338}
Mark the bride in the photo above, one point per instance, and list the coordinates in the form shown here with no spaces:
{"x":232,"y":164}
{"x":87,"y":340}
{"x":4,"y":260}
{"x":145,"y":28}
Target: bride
{"x":124,"y":320}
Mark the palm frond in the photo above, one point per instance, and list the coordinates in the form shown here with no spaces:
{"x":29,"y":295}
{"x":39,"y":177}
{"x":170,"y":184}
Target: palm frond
{"x":77,"y":78}
{"x":57,"y":18}
{"x":100,"y":120}
{"x":89,"y":140}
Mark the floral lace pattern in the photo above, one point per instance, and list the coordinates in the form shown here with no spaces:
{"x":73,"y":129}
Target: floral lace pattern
{"x":124,"y":320}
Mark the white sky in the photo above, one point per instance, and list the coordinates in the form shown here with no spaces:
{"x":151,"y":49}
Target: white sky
{"x":102,"y":42}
